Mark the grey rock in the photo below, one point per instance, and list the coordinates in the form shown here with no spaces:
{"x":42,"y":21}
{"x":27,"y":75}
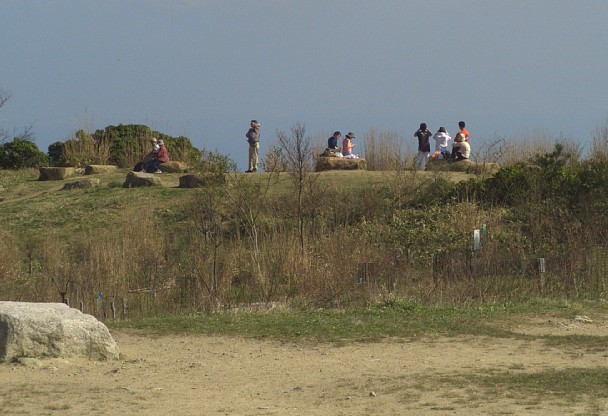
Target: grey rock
{"x":44,"y":330}
{"x":199,"y":180}
{"x":82,"y":184}
{"x":99,"y":169}
{"x":139,"y":179}
{"x":55,"y":173}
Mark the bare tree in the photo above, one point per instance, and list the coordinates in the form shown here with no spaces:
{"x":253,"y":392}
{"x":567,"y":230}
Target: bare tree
{"x":4,"y":97}
{"x":297,"y":151}
{"x":5,"y":134}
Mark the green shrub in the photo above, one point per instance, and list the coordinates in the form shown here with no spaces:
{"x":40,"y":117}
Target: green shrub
{"x":127,"y":143}
{"x":122,"y":145}
{"x":179,"y":148}
{"x":81,"y":150}
{"x":21,"y":153}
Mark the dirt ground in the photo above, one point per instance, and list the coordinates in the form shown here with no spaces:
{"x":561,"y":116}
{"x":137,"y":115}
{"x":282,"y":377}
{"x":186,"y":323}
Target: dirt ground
{"x":203,"y":375}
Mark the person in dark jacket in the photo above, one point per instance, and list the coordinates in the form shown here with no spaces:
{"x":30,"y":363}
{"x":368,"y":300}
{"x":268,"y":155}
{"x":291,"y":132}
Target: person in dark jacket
{"x":253,"y":138}
{"x":424,"y":147}
{"x":332,"y":142}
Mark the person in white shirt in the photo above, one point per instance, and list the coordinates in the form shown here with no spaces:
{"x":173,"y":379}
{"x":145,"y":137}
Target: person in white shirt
{"x":442,"y":137}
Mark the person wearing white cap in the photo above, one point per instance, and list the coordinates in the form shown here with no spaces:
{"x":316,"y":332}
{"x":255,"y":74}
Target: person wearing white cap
{"x":155,"y":145}
{"x":159,"y":158}
{"x":140,"y":166}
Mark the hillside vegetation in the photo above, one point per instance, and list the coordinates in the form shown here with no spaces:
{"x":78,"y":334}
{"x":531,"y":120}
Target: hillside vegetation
{"x":309,"y":240}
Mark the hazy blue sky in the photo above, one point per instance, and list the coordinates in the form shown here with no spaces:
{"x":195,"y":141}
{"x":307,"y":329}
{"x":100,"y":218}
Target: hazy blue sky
{"x":204,"y":68}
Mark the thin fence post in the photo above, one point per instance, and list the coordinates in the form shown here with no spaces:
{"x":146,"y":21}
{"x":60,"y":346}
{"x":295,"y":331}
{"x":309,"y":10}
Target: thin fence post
{"x":113,"y":308}
{"x":81,"y":306}
{"x":541,"y":272}
{"x":100,"y":305}
{"x":125,"y":309}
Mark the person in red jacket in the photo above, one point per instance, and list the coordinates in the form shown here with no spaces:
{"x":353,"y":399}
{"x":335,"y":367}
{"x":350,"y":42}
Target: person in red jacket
{"x":159,"y":158}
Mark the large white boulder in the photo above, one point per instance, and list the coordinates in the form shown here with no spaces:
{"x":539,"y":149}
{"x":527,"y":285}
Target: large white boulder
{"x":40,"y":330}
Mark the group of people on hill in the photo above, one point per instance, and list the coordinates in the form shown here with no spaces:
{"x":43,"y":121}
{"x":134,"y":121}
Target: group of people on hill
{"x":347,"y":144}
{"x":153,"y":161}
{"x":460,"y":147}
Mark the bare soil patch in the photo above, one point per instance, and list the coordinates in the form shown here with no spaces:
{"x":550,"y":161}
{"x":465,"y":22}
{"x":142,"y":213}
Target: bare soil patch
{"x":209,"y":375}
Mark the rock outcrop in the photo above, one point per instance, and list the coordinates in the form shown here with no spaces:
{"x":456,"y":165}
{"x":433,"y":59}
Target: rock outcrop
{"x":139,"y":179}
{"x":51,"y":173}
{"x":82,"y":184}
{"x":173,"y":167}
{"x":41,"y":330}
{"x":466,"y":165}
{"x":339,"y":163}
{"x":199,"y":180}
{"x":99,"y":169}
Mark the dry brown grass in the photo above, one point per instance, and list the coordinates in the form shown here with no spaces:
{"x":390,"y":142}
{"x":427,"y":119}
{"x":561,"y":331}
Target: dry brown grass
{"x":167,"y":249}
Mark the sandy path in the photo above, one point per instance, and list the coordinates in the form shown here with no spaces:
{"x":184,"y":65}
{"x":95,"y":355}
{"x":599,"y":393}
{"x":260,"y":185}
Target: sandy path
{"x":202,"y":375}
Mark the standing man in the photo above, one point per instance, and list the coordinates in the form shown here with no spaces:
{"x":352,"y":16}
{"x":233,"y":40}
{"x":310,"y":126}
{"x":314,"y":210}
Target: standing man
{"x":424,"y":146}
{"x":253,"y":138}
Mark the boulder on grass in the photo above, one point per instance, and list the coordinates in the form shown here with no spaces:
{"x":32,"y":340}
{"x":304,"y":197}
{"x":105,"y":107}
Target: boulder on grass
{"x":200,"y":180}
{"x":339,"y":163}
{"x":82,"y":184}
{"x":51,"y":173}
{"x":173,"y":167}
{"x":99,"y":169}
{"x":465,"y":165}
{"x":139,"y":180}
{"x":39,"y":330}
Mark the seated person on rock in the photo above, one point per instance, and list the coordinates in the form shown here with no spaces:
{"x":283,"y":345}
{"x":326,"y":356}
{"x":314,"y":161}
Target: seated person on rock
{"x":442,"y":137}
{"x":160,"y":157}
{"x":348,"y":145}
{"x":461,"y":149}
{"x":139,"y":166}
{"x":332,"y":142}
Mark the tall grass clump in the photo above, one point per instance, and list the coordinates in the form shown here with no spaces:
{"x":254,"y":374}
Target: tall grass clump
{"x":522,"y":147}
{"x":599,"y":145}
{"x":386,"y":150}
{"x":81,"y":150}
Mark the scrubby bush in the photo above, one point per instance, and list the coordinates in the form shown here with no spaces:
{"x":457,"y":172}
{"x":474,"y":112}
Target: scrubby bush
{"x":21,"y":153}
{"x":179,"y":148}
{"x":127,"y":143}
{"x":81,"y":150}
{"x":122,"y":145}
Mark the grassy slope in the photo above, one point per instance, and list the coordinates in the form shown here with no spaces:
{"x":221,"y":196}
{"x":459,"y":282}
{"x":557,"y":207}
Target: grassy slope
{"x":28,"y":205}
{"x":31,"y":206}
